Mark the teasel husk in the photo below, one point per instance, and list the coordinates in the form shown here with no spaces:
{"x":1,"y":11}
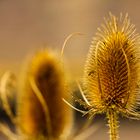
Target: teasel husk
{"x":41,"y":112}
{"x":111,"y":76}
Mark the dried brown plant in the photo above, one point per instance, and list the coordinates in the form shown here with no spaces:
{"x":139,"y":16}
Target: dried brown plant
{"x":41,"y":113}
{"x":111,"y":76}
{"x":41,"y":91}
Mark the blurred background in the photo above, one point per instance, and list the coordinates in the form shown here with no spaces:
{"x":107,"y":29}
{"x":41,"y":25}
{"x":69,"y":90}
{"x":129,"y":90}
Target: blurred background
{"x":27,"y":25}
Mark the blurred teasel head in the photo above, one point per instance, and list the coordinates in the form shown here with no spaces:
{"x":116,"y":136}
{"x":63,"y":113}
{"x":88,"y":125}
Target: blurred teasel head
{"x":111,"y":76}
{"x":41,"y":112}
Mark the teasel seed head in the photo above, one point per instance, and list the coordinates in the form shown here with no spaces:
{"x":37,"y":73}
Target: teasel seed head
{"x":44,"y":114}
{"x":111,"y":76}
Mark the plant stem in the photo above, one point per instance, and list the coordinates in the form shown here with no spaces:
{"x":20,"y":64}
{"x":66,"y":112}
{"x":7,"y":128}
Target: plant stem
{"x":113,"y":124}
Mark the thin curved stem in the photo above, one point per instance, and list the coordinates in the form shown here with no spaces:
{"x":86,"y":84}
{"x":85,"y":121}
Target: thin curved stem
{"x":67,"y":39}
{"x":69,"y":104}
{"x":3,"y":90}
{"x":44,"y":106}
{"x":4,"y":129}
{"x":82,"y":93}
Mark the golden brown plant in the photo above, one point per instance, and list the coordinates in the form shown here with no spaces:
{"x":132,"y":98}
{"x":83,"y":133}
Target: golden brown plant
{"x":41,"y":113}
{"x":111,"y":76}
{"x":8,"y":92}
{"x":42,"y":88}
{"x":40,"y":108}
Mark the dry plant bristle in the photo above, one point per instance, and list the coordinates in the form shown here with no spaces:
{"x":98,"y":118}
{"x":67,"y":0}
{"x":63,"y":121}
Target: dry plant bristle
{"x":111,"y":76}
{"x":8,"y":93}
{"x":43,"y":86}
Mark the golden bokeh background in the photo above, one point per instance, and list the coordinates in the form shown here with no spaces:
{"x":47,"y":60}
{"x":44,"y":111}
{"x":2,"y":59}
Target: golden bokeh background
{"x":27,"y":25}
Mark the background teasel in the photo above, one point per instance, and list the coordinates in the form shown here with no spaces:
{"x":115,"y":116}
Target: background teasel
{"x":41,"y":113}
{"x":111,"y":76}
{"x":47,"y":73}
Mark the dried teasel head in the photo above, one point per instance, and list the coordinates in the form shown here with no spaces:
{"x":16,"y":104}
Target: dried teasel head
{"x":41,"y":112}
{"x":111,"y":76}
